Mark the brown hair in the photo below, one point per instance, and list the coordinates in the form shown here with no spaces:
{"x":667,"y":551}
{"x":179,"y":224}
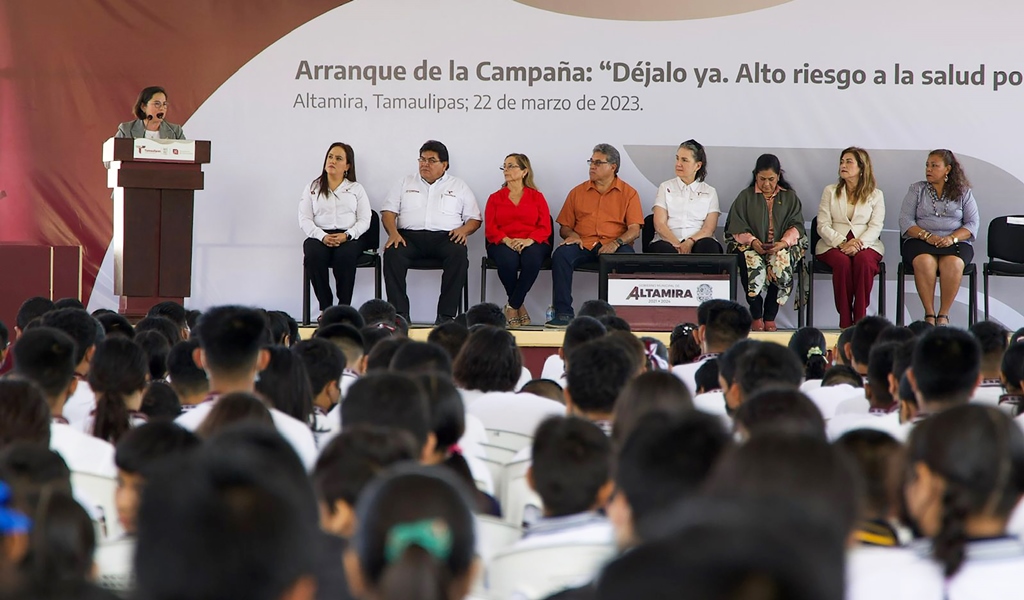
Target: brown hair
{"x":956,"y":181}
{"x":866,"y":184}
{"x":524,"y":163}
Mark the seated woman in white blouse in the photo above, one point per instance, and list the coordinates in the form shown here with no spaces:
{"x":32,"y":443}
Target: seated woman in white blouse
{"x":686,"y":209}
{"x":333,"y":212}
{"x":850,"y":219}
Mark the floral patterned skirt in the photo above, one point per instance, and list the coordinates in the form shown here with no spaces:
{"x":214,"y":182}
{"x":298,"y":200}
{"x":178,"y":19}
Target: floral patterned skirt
{"x":766,"y":269}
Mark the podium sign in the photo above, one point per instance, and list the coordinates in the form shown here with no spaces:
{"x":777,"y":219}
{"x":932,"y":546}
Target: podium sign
{"x":655,"y":292}
{"x":154,"y":182}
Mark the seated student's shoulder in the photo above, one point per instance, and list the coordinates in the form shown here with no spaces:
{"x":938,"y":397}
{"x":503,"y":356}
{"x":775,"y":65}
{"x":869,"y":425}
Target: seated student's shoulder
{"x":298,"y":434}
{"x":82,"y":452}
{"x":891,"y":573}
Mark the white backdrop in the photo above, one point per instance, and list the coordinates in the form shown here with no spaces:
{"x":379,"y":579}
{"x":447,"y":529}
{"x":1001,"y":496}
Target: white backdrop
{"x":266,"y":147}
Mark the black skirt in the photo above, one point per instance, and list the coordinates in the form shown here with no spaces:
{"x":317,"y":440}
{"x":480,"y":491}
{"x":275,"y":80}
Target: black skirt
{"x":913,"y":248}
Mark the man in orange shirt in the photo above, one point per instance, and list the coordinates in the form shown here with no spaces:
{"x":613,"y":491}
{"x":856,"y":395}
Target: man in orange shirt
{"x":600,"y":216}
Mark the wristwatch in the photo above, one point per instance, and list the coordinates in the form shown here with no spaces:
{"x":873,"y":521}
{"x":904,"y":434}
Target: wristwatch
{"x":620,"y":242}
{"x":955,"y":241}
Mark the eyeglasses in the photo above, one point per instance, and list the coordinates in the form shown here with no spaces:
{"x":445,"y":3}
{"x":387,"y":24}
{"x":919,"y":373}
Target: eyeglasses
{"x":509,"y":167}
{"x":429,"y":161}
{"x":158,"y":104}
{"x":597,"y":163}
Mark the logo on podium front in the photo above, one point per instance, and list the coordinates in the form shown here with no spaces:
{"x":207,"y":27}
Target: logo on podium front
{"x":665,"y":292}
{"x":169,"y":150}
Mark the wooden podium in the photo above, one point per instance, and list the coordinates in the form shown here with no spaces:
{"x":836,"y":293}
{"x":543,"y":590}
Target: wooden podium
{"x":153,"y":197}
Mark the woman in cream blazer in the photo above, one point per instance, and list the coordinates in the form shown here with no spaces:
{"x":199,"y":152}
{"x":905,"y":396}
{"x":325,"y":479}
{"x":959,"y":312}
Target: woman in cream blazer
{"x":850,"y":219}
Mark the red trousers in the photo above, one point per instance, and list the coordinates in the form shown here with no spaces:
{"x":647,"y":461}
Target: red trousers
{"x":852,"y":279}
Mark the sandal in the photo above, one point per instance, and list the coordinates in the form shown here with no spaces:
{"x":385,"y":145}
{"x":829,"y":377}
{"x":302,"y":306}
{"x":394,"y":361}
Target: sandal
{"x":940,"y":317}
{"x":512,"y":319}
{"x":524,"y":317}
{"x":930,"y":319}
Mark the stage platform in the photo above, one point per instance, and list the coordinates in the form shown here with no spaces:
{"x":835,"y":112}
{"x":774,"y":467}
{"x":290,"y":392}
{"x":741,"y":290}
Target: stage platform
{"x":538,"y":343}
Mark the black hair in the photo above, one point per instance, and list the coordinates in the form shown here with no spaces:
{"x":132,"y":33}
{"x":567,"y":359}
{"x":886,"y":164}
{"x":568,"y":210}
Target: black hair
{"x":118,"y":370}
{"x":450,"y":336}
{"x":845,"y":336}
{"x":800,"y":468}
{"x":435,"y":146}
{"x":808,"y":344}
{"x":979,"y":452}
{"x":728,"y":360}
{"x":683,"y":348}
{"x":769,"y":162}
{"x":32,"y":309}
{"x":46,"y":356}
{"x":342,"y":314}
{"x":379,"y":358}
{"x":486,"y":313}
{"x":75,"y":322}
{"x":170,"y":310}
{"x":353,"y":458}
{"x":156,"y":349}
{"x":160,"y":402}
{"x":409,"y":498}
{"x":879,"y":369}
{"x":903,"y":357}
{"x":115,"y":324}
{"x":5,"y":336}
{"x":231,"y":337}
{"x":24,"y":413}
{"x":993,"y":339}
{"x":286,"y":384}
{"x":581,"y":330}
{"x":636,"y":349}
{"x":321,"y":185}
{"x":667,"y":458}
{"x":654,"y":391}
{"x":163,"y":325}
{"x":490,"y":361}
{"x":545,"y":388}
{"x":946,"y":365}
{"x":248,"y":506}
{"x":1012,"y":366}
{"x":768,"y":364}
{"x":192,"y":318}
{"x":878,"y":456}
{"x":840,"y":374}
{"x":234,"y":410}
{"x":29,"y":468}
{"x":571,"y":463}
{"x":894,"y":333}
{"x":145,"y":96}
{"x":780,"y":409}
{"x":447,"y":412}
{"x":388,"y":399}
{"x":277,"y":321}
{"x":61,"y":545}
{"x":615,"y":323}
{"x":324,"y":362}
{"x":597,"y":372}
{"x":376,"y":333}
{"x":421,"y":357}
{"x":341,"y":335}
{"x":596,"y":308}
{"x":139,"y":449}
{"x":699,"y":155}
{"x":706,"y":377}
{"x":906,"y":391}
{"x":865,"y":332}
{"x":68,"y":303}
{"x":725,"y":322}
{"x":920,"y":327}
{"x":376,"y":311}
{"x":185,"y":375}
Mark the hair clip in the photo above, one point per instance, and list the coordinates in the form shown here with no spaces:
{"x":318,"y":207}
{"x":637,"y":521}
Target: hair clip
{"x":814,"y":351}
{"x":433,"y":535}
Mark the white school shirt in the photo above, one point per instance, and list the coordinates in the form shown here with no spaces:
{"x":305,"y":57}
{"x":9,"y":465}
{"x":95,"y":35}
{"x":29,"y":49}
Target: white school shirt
{"x":840,"y":424}
{"x":82,"y":452}
{"x":554,"y":369}
{"x":511,"y":411}
{"x":687,"y":373}
{"x":298,"y":434}
{"x":346,"y":208}
{"x":988,"y":392}
{"x":829,"y":398}
{"x":80,"y":406}
{"x":687,"y":206}
{"x":443,"y":205}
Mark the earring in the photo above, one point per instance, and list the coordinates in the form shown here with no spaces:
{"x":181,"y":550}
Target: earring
{"x":946,"y":178}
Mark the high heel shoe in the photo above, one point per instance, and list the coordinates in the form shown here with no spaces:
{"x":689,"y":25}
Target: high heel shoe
{"x":511,"y":317}
{"x":941,"y":317}
{"x":524,"y":317}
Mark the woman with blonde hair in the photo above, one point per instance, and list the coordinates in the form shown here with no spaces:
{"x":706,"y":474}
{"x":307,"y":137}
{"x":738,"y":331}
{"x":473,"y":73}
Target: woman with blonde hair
{"x":850,"y":219}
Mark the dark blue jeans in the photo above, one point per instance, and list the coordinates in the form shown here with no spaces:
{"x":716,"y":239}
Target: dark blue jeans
{"x":518,"y":270}
{"x":563,"y":261}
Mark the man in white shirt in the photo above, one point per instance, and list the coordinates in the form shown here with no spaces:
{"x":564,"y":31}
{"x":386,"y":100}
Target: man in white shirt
{"x":231,"y":340}
{"x":994,"y":339}
{"x":46,"y":356}
{"x":84,"y":330}
{"x":880,"y":393}
{"x":944,"y":372}
{"x":429,"y":216}
{"x":720,"y":324}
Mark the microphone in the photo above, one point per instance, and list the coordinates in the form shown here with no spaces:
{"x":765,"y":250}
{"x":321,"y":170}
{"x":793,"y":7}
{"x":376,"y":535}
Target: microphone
{"x":160,"y":115}
{"x":149,"y":117}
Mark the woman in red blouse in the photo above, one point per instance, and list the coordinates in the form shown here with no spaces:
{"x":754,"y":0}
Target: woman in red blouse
{"x":517,"y":224}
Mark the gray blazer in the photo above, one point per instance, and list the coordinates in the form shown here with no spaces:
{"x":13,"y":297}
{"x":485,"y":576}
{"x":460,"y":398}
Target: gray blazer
{"x":137,"y":129}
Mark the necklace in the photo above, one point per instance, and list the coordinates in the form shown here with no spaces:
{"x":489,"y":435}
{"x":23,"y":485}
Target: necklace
{"x":935,"y":203}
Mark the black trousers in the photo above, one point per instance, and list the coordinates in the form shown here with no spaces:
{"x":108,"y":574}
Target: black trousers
{"x":518,"y":270}
{"x":428,"y":245}
{"x":701,"y":246}
{"x":318,"y":258}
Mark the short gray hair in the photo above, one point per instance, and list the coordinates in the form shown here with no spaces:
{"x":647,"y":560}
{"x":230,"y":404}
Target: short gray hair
{"x":609,"y":151}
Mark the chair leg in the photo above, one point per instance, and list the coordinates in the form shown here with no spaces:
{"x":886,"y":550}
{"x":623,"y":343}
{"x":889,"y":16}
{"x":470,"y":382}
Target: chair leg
{"x":377,"y":277}
{"x":483,"y":281}
{"x":972,"y":302}
{"x":305,"y":296}
{"x":881,"y":289}
{"x":465,"y":293}
{"x":986,"y":294}
{"x":810,"y":300}
{"x":900,"y":273}
{"x":801,"y":318}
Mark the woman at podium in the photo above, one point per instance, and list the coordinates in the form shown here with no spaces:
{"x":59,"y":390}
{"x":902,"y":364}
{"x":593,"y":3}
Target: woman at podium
{"x":766,"y":228}
{"x":333,"y":212}
{"x":686,"y":209}
{"x":150,"y":110}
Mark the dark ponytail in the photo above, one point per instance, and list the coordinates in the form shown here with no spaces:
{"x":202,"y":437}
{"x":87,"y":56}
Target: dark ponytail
{"x":808,"y":343}
{"x":118,"y":370}
{"x":416,"y":574}
{"x":950,"y":544}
